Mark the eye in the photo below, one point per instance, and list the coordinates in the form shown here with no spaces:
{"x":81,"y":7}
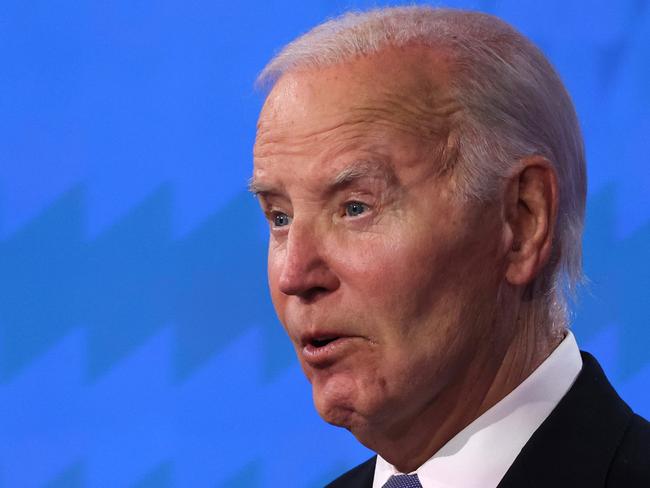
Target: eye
{"x":280,"y":219}
{"x":354,"y":209}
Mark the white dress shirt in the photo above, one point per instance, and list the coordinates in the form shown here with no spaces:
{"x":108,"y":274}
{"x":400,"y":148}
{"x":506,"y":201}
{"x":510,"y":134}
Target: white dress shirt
{"x":480,"y":454}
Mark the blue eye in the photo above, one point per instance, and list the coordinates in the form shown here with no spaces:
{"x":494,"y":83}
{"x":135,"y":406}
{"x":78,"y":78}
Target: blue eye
{"x":280,"y":219}
{"x":354,"y":209}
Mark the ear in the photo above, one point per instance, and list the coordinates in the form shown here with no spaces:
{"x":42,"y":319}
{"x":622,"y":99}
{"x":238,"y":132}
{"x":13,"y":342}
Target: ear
{"x":531,"y":203}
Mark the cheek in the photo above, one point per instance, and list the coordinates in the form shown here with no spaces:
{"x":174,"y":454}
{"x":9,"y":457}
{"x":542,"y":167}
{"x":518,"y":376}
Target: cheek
{"x":274,"y":270}
{"x":412,"y":278}
{"x":392,"y":274}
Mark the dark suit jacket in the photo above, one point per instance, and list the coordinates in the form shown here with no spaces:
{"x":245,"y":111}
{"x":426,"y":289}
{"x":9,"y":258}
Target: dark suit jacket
{"x":591,"y":439}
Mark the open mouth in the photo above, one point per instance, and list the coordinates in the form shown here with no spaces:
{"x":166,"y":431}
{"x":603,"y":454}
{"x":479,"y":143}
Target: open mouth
{"x":322,"y":341}
{"x":323,"y":350}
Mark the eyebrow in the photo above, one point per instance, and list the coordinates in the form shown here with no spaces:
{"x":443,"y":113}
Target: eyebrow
{"x":363,"y":169}
{"x":254,"y":187}
{"x":356,"y":171}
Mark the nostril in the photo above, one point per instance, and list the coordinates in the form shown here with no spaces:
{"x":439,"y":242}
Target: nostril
{"x":314,"y":293}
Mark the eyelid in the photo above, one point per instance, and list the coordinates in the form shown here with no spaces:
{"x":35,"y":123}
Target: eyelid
{"x":273,"y":207}
{"x":360,"y":202}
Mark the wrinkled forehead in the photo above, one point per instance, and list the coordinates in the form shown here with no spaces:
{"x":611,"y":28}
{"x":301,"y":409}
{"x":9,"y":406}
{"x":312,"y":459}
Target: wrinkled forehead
{"x":408,"y":87}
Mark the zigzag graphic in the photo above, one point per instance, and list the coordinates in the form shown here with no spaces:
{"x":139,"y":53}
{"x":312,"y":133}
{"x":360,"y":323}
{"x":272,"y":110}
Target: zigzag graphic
{"x":131,"y":280}
{"x":136,"y":426}
{"x":211,"y":284}
{"x":619,"y":284}
{"x":111,"y":310}
{"x":138,"y":358}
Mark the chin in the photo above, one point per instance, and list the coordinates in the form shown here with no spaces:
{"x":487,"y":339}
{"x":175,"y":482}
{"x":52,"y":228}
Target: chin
{"x":336,"y":399}
{"x":351,"y":418}
{"x":337,"y":415}
{"x":343,"y":401}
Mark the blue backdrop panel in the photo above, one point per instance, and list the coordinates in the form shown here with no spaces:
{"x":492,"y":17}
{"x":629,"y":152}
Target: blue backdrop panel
{"x":138,"y":346}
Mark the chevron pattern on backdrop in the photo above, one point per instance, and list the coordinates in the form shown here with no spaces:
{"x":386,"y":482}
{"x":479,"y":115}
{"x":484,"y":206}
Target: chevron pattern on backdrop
{"x":138,"y":345}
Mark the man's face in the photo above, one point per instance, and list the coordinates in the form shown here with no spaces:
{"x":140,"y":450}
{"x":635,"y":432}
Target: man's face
{"x":385,"y":283}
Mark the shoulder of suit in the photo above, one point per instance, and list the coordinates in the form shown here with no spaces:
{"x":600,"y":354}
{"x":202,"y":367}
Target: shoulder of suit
{"x":631,"y":464}
{"x":358,"y":477}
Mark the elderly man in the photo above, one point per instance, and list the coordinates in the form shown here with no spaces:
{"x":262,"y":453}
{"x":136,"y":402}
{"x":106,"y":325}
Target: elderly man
{"x":423,"y":175}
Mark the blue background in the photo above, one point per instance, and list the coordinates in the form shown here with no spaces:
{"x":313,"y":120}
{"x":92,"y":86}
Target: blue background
{"x":138,"y":346}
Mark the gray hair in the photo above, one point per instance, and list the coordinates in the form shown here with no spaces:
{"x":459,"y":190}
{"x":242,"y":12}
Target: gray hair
{"x":515,"y":105}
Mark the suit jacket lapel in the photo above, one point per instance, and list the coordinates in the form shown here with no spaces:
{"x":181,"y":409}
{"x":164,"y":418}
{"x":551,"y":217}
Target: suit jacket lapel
{"x":359,"y":477}
{"x":576,"y":444}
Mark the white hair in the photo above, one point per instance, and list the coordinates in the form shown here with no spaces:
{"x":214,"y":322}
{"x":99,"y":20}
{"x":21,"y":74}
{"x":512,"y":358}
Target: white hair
{"x":514,"y":105}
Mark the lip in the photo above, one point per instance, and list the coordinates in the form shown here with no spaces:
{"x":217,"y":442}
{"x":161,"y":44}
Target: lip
{"x":325,"y":355}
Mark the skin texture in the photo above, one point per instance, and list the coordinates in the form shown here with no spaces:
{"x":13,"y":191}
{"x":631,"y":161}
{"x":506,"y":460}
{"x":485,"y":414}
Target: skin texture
{"x":370,"y":242}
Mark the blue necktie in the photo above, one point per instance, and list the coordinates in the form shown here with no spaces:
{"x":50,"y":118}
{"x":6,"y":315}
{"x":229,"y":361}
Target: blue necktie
{"x":403,"y":481}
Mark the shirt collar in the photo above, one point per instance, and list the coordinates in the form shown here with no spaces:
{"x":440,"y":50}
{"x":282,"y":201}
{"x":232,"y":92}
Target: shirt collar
{"x":480,"y":454}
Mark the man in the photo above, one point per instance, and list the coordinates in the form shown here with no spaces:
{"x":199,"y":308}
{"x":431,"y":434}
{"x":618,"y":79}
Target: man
{"x":423,"y":175}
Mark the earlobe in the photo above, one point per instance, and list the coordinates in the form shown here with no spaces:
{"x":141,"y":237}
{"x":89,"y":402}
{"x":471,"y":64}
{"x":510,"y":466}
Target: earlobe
{"x":530,"y":209}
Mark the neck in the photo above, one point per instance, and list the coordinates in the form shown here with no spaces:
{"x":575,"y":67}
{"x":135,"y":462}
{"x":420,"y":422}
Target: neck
{"x":410,"y":442}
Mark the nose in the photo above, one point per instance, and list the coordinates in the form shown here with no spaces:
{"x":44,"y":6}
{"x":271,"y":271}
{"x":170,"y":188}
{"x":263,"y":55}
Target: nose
{"x":305,"y":269}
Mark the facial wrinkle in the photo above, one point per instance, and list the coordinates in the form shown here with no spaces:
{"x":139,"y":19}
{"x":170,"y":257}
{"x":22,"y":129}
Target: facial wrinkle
{"x":356,"y":132}
{"x":418,"y":107}
{"x":285,"y":139}
{"x":428,"y":117}
{"x":433,"y":121}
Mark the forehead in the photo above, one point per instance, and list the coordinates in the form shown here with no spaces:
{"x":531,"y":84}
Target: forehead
{"x":374,"y":103}
{"x":410,"y":83}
